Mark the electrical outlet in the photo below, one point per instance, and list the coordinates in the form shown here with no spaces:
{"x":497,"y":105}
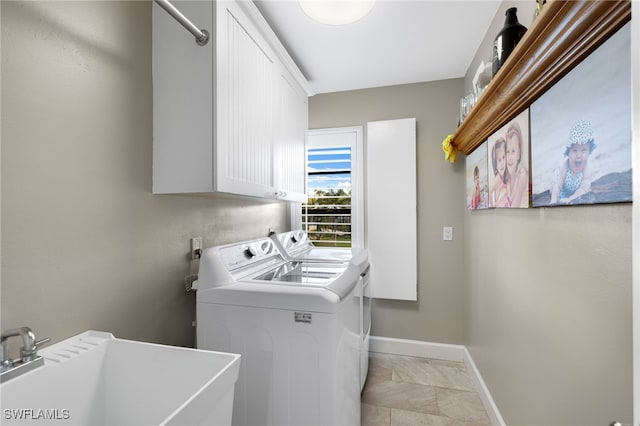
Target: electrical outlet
{"x":196,"y":247}
{"x":188,"y":282}
{"x":447,"y":233}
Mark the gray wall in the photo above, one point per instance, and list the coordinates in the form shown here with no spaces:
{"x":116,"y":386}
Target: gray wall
{"x":85,"y":245}
{"x":550,"y":310}
{"x":440,"y":314}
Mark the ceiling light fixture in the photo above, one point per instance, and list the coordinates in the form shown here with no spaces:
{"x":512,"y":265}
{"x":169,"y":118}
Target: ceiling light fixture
{"x":336,"y":12}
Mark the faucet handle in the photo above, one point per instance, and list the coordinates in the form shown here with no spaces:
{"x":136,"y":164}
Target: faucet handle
{"x":41,"y":342}
{"x":29,"y":354}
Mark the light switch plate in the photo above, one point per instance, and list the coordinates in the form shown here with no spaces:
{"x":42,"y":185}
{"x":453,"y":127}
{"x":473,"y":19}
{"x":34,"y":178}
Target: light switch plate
{"x":447,"y":233}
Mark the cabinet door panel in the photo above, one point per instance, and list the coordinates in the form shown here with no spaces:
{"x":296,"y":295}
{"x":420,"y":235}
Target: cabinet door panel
{"x":245,"y":97}
{"x":290,"y":140}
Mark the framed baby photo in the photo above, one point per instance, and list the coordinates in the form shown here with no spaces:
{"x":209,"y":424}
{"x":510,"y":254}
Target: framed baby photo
{"x":581,"y":131}
{"x":477,"y":179}
{"x":508,"y":164}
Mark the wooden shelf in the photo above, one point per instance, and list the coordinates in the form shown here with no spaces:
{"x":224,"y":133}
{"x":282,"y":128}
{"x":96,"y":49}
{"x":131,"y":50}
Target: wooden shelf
{"x":562,"y":35}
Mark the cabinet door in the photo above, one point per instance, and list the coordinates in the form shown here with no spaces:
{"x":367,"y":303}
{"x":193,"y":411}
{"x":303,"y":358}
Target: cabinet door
{"x":290,"y":140}
{"x":245,"y":93}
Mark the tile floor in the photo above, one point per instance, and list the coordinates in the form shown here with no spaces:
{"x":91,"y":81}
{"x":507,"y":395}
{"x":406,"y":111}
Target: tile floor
{"x":408,"y":391}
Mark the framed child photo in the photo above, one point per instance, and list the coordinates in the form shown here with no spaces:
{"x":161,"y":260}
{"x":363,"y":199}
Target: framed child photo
{"x":581,"y":131}
{"x":508,"y":164}
{"x":477,"y":179}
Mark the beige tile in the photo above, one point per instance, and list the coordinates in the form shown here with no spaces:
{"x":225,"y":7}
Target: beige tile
{"x":410,"y":418}
{"x":462,"y":405}
{"x":403,"y":390}
{"x":432,"y":375}
{"x":389,"y":360}
{"x":424,"y":371}
{"x":372,"y":415}
{"x":379,"y":369}
{"x":405,"y":396}
{"x":445,"y":363}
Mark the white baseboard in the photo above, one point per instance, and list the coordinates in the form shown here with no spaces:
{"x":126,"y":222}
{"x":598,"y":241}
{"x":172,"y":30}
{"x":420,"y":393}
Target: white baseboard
{"x":485,"y":395}
{"x":442,"y":351}
{"x":417,"y":348}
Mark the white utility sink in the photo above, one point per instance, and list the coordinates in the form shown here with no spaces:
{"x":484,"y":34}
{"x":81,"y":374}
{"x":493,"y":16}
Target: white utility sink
{"x":96,"y":379}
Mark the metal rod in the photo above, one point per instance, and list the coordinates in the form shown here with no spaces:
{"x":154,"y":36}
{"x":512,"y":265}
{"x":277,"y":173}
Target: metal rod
{"x":202,"y":36}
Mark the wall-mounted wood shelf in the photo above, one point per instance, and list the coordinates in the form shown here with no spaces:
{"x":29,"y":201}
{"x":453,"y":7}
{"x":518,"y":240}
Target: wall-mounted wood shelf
{"x":562,"y":35}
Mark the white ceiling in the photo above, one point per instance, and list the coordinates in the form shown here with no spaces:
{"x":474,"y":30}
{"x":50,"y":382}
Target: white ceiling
{"x":398,"y":42}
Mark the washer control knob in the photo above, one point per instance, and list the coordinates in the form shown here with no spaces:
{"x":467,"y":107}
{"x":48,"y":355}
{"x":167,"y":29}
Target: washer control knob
{"x":251,"y":251}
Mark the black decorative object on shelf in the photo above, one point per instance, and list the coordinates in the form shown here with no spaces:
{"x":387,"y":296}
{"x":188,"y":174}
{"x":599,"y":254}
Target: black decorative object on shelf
{"x":507,"y":38}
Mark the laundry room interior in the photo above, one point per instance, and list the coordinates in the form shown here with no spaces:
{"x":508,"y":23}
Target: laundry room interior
{"x":105,"y":189}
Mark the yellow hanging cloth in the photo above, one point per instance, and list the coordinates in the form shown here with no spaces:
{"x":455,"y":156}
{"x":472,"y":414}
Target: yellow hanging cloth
{"x":450,"y":151}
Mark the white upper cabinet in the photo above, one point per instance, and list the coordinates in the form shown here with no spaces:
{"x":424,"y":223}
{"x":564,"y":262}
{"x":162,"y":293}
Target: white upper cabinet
{"x":230,"y":116}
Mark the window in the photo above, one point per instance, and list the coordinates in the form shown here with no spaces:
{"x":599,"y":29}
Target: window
{"x":333,"y":214}
{"x":327,"y":214}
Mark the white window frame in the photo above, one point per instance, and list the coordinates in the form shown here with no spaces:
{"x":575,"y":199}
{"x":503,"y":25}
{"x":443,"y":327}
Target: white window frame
{"x":341,"y":136}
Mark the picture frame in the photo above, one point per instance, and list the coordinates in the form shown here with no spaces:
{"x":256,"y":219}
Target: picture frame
{"x":581,"y":131}
{"x":508,"y":164}
{"x":477,"y":179}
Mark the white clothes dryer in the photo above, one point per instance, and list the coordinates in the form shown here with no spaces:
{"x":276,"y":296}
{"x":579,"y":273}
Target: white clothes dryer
{"x":296,"y":245}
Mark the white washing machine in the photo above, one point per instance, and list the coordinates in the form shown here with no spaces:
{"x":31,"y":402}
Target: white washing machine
{"x":296,"y":245}
{"x":296,"y":325}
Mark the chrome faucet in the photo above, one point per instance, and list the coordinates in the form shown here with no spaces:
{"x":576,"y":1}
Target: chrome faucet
{"x":28,"y":352}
